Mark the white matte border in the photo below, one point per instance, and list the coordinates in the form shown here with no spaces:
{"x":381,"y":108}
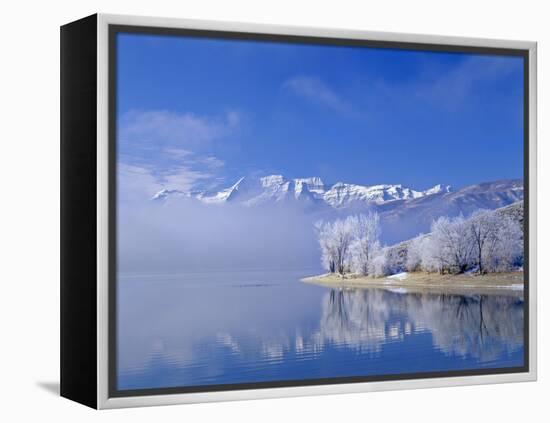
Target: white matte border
{"x":103,"y":400}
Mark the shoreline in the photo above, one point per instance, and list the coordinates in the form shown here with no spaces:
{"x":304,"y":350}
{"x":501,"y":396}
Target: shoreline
{"x":509,"y":283}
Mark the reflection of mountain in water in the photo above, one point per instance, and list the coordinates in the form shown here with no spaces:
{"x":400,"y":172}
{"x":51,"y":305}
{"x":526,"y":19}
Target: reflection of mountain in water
{"x":481,"y":326}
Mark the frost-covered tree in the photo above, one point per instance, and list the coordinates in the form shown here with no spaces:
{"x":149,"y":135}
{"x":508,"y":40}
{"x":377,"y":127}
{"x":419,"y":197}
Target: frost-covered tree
{"x":379,"y":265}
{"x":484,"y":232}
{"x":423,"y":255}
{"x":327,"y":245}
{"x":342,"y":236}
{"x":395,"y":260}
{"x":507,"y":251}
{"x":366,"y":234}
{"x":451,"y":244}
{"x":488,"y":241}
{"x":430,"y":257}
{"x":334,"y":240}
{"x":416,"y":251}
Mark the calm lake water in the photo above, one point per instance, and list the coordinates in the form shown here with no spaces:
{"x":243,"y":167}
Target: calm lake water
{"x":232,"y":327}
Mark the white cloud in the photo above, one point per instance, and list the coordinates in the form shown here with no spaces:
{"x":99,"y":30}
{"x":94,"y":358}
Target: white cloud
{"x":139,"y":183}
{"x":135,"y":183}
{"x":183,"y":178}
{"x":161,"y":149}
{"x":213,"y":162}
{"x":455,"y":85}
{"x":171,"y":130}
{"x":314,"y":89}
{"x":176,"y":153}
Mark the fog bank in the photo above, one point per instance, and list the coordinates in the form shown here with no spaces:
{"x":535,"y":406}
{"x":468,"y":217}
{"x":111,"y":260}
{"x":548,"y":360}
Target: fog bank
{"x":190,"y":236}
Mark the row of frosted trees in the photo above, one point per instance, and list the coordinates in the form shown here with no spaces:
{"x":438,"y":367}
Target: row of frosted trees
{"x":487,"y":241}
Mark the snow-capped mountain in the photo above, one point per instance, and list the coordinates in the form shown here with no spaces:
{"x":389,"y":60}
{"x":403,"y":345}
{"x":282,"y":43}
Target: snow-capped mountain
{"x":404,"y":212}
{"x":341,"y":195}
{"x":276,"y":188}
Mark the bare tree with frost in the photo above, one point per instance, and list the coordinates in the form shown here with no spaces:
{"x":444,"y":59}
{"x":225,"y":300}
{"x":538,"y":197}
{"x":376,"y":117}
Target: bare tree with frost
{"x":379,"y":265}
{"x":507,"y":251}
{"x":451,"y":244}
{"x":416,"y":251}
{"x":327,"y":245}
{"x":366,"y":234}
{"x":342,"y":235}
{"x":334,"y":240}
{"x":484,"y":232}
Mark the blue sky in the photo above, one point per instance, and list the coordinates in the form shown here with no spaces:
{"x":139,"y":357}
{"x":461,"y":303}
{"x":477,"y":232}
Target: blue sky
{"x":200,"y":113}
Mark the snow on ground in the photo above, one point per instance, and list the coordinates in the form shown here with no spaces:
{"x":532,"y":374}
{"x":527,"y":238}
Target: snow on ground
{"x":398,"y":290}
{"x":517,"y":287}
{"x":399,"y":276}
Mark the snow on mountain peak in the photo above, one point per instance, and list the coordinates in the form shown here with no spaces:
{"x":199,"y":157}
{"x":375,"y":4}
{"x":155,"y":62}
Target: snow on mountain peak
{"x":164,"y":193}
{"x":436,"y":189}
{"x":236,"y":191}
{"x":277,"y":188}
{"x":313,"y":184}
{"x":272,"y":180}
{"x":341,"y":194}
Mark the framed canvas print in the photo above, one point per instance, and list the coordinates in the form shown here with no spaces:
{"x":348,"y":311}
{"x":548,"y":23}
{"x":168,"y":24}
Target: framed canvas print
{"x":254,"y":211}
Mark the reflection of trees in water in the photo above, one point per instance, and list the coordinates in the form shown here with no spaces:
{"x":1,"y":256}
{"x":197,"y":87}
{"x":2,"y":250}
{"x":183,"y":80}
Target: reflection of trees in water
{"x":354,"y":318}
{"x":482,"y":326}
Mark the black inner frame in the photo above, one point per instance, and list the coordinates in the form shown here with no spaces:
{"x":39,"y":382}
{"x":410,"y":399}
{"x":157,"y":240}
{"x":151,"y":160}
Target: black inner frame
{"x":231,"y":35}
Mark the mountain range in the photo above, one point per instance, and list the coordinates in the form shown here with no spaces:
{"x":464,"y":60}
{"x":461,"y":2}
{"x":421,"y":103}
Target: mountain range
{"x":276,"y":189}
{"x":404,"y":212}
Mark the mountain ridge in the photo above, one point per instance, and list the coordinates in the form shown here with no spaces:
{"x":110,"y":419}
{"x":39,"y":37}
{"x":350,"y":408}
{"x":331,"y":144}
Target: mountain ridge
{"x":404,"y":212}
{"x":276,"y":188}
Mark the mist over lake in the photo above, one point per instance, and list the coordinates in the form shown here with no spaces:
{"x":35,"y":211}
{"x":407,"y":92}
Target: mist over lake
{"x":193,"y":236}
